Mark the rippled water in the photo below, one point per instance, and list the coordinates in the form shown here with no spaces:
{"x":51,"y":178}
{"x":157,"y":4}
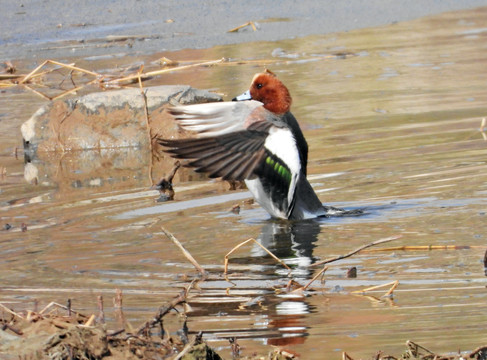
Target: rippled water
{"x":392,"y":117}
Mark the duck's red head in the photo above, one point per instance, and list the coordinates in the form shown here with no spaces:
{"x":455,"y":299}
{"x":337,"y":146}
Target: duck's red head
{"x":270,"y":91}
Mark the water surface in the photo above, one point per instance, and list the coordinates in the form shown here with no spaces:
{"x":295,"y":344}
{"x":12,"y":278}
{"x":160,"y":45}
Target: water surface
{"x":392,"y":117}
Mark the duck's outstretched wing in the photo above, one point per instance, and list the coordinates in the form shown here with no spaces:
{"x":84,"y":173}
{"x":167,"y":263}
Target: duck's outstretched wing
{"x":214,"y":119}
{"x":263,"y":152}
{"x":233,"y":156}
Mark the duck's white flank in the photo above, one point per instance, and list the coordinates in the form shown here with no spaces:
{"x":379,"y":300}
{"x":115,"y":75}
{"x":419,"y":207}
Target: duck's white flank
{"x":282,"y":143}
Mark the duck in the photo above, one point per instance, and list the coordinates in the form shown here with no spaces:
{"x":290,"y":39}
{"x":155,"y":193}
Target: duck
{"x":254,"y":138}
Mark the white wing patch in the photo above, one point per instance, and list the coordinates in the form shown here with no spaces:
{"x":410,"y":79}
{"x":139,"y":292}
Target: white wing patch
{"x":214,"y":119}
{"x":281,"y":143}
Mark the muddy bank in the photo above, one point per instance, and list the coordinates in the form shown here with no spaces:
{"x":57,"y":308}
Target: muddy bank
{"x":56,"y":29}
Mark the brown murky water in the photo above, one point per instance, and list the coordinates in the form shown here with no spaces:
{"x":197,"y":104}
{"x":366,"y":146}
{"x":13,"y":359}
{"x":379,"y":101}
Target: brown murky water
{"x":393,"y":127}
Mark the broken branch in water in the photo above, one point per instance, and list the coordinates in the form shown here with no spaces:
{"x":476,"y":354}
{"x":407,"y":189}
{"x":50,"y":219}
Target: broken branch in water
{"x":377,"y":242}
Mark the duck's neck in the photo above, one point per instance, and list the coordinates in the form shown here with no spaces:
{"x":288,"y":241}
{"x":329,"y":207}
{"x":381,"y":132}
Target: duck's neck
{"x":279,"y":103}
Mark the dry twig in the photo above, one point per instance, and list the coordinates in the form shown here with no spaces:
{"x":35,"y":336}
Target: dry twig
{"x":377,"y":242}
{"x":186,"y":253}
{"x":305,"y":287}
{"x":159,"y":72}
{"x":248,"y":23}
{"x":11,"y":311}
{"x":392,"y":284}
{"x":262,"y":246}
{"x":426,"y":248}
{"x":163,"y":310}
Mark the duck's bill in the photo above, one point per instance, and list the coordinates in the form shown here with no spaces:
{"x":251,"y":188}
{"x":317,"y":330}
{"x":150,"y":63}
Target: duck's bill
{"x":244,"y":96}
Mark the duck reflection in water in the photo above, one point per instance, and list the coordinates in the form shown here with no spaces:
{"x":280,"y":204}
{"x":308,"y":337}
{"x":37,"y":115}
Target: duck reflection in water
{"x":292,"y":242}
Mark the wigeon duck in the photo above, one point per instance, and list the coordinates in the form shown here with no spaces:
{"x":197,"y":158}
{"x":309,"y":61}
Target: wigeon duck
{"x":259,"y":141}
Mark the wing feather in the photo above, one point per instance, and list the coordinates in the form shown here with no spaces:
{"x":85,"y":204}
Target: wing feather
{"x":214,"y":119}
{"x":233,"y":156}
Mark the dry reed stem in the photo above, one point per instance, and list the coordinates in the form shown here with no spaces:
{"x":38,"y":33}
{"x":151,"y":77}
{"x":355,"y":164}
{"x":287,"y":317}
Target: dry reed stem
{"x":187,"y":348}
{"x":29,"y":75}
{"x":9,"y":76}
{"x":377,"y":242}
{"x":185,"y":252}
{"x":163,"y":71}
{"x":106,"y":81}
{"x":427,"y":248}
{"x":262,"y":246}
{"x":414,"y":349}
{"x":147,"y":122}
{"x":305,"y":287}
{"x":163,"y":310}
{"x":37,"y":92}
{"x":90,"y":321}
{"x":393,"y":285}
{"x":67,"y":92}
{"x":101,"y":313}
{"x":55,"y":304}
{"x":53,"y":62}
{"x":345,"y":356}
{"x":391,"y":290}
{"x":482,"y":124}
{"x":248,"y":23}
{"x":11,"y":311}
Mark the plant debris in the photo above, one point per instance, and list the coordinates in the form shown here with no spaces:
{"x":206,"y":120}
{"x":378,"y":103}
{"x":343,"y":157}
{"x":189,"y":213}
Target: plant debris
{"x":415,"y":351}
{"x":60,"y":333}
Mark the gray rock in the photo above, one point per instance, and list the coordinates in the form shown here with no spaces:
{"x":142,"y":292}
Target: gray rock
{"x":107,"y":120}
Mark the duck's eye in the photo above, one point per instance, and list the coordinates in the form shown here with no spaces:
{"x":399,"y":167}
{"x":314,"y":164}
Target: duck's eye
{"x":259,"y":85}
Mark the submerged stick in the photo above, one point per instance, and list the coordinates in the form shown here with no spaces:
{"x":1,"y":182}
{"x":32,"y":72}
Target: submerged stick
{"x":262,"y":246}
{"x":377,"y":242}
{"x":186,"y":253}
